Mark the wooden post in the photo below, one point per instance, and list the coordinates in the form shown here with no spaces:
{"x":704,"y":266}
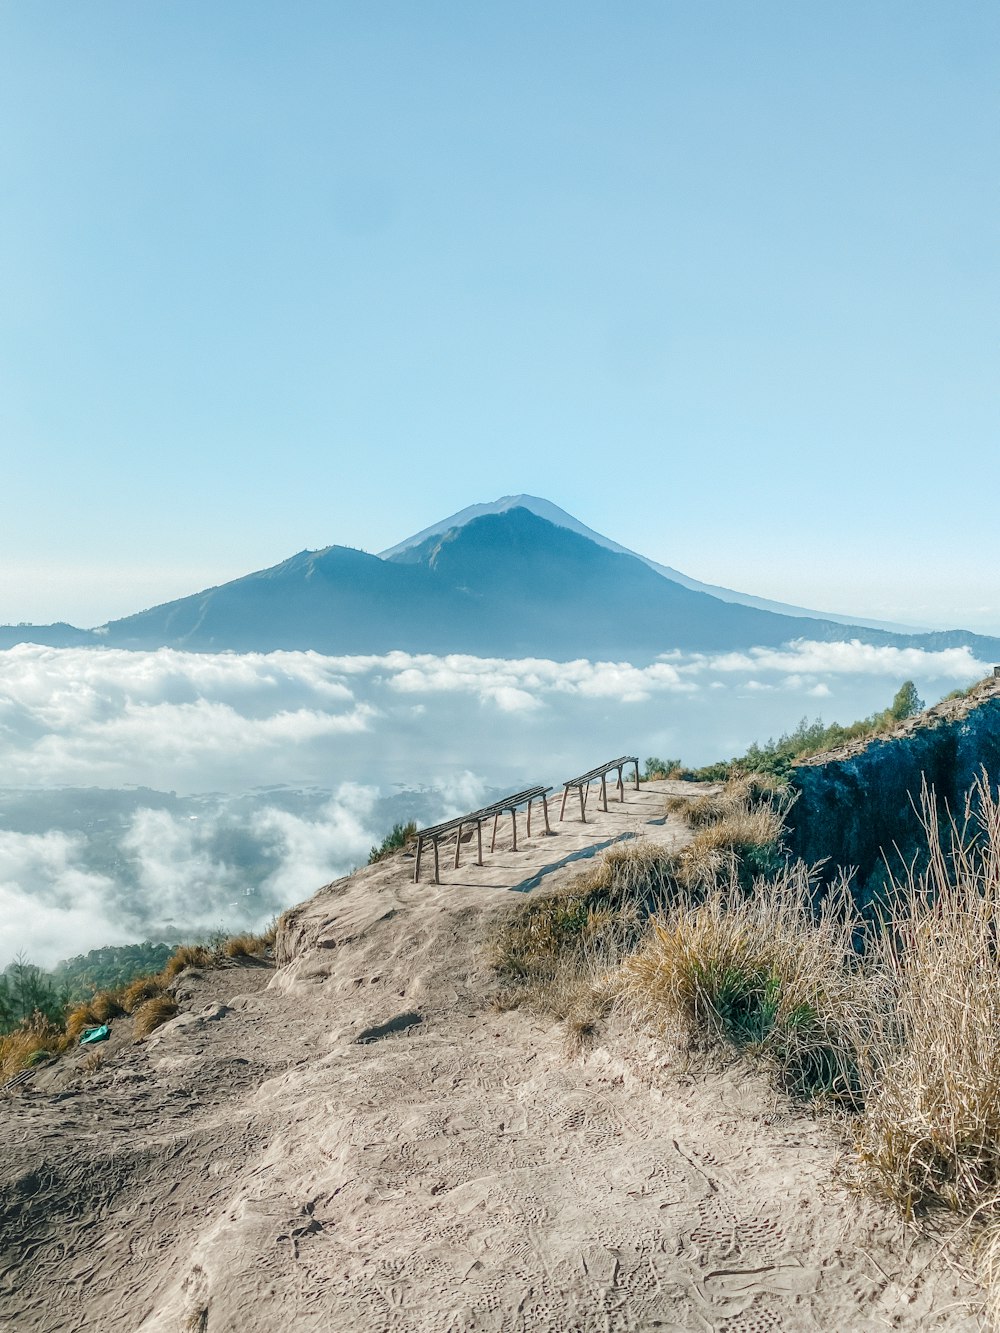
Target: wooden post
{"x":479,"y":841}
{"x":604,"y":792}
{"x":637,"y":775}
{"x":416,"y":868}
{"x":563,"y":809}
{"x":528,"y":834}
{"x":437,"y":868}
{"x":621,"y":785}
{"x":545,"y":809}
{"x":583,"y":808}
{"x":513,"y":821}
{"x":493,"y":840}
{"x":458,"y":844}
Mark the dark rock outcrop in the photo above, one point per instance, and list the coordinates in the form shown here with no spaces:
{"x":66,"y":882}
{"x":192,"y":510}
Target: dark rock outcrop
{"x":859,"y":806}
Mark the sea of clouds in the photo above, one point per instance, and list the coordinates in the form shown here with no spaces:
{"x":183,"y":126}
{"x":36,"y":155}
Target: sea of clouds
{"x":169,"y":794}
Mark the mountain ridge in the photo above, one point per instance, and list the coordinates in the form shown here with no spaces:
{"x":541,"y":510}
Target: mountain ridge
{"x":508,"y":583}
{"x":547,"y":510}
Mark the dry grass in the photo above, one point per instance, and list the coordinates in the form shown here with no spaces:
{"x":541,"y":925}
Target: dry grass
{"x":601,"y":914}
{"x":79,"y":1018}
{"x":140,"y":990}
{"x":560,"y":952}
{"x":106,"y":1005}
{"x":930,"y":1133}
{"x":188,"y":955}
{"x":150,"y":1015}
{"x":28,"y":1044}
{"x":987,"y":1256}
{"x":740,"y":795}
{"x":144,"y":999}
{"x":245,"y":946}
{"x":743,"y":843}
{"x":759,"y":970}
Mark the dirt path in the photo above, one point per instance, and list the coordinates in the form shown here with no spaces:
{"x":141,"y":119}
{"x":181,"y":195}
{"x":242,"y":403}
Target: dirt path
{"x":357,"y":1141}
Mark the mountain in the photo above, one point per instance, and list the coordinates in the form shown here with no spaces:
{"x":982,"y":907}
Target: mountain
{"x":508,"y":583}
{"x":547,"y":510}
{"x":59,"y":635}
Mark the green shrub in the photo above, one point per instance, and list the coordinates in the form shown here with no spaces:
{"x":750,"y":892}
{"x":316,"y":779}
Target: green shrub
{"x":760,"y":970}
{"x":660,"y":768}
{"x":778,"y":757}
{"x":393,"y":841}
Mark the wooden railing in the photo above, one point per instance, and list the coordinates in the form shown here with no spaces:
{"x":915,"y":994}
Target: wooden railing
{"x":582,"y":783}
{"x":508,"y":805}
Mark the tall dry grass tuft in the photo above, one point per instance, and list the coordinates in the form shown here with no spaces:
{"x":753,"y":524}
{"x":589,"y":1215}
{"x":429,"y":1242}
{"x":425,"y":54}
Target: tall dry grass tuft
{"x":245,"y":946}
{"x":742,"y":794}
{"x":741,"y":842}
{"x":560,"y":952}
{"x":32,"y":1041}
{"x":105,"y":1005}
{"x":150,"y":1015}
{"x":762,"y":970}
{"x":930,"y":1133}
{"x":188,"y":955}
{"x":140,"y":990}
{"x":79,"y":1018}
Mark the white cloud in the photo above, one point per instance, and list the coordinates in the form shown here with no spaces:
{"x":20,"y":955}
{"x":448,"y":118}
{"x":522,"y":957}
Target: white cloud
{"x":354,"y":728}
{"x":315,"y":851}
{"x":48,"y":901}
{"x":853,"y":658}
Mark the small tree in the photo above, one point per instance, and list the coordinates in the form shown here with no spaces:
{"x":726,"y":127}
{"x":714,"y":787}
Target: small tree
{"x":26,"y":990}
{"x":392,"y":842}
{"x":906,"y":702}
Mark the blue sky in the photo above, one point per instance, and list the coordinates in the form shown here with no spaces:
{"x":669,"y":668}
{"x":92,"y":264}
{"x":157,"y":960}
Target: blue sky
{"x":719,"y":278}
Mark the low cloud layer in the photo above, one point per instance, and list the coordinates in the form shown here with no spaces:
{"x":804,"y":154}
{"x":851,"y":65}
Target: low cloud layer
{"x":310,"y":758}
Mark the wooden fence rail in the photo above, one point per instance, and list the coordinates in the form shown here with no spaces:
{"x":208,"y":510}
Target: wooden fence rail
{"x":582,"y":783}
{"x":508,"y":805}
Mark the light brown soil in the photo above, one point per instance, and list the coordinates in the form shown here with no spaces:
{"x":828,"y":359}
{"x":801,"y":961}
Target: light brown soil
{"x":358,"y":1141}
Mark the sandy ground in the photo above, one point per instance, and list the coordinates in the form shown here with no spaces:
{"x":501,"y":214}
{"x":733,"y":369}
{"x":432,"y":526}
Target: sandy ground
{"x":356,"y":1140}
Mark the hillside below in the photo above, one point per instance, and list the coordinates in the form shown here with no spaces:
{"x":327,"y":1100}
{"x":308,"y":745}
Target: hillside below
{"x":359,"y":1139}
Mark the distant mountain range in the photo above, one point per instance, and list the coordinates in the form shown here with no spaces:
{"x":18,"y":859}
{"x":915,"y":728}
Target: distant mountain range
{"x":517,"y":578}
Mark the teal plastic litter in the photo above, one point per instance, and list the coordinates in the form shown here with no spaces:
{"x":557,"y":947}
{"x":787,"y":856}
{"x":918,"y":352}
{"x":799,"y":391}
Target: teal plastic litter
{"x":95,"y":1034}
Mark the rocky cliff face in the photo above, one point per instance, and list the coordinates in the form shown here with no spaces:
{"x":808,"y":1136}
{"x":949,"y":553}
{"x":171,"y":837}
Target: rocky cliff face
{"x":858,"y":805}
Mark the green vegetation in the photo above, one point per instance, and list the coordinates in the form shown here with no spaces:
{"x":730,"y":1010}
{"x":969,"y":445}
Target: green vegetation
{"x":778,"y":757}
{"x":761,"y":973}
{"x":111,"y":967}
{"x":25,"y":990}
{"x":660,"y":768}
{"x":393,"y":841}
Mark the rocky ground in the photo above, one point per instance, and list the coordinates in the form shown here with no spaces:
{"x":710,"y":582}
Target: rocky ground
{"x":356,"y":1139}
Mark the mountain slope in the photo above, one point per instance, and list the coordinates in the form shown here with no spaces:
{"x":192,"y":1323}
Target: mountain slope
{"x":504,"y":584}
{"x":337,"y":600}
{"x":508,"y":584}
{"x":553,"y":514}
